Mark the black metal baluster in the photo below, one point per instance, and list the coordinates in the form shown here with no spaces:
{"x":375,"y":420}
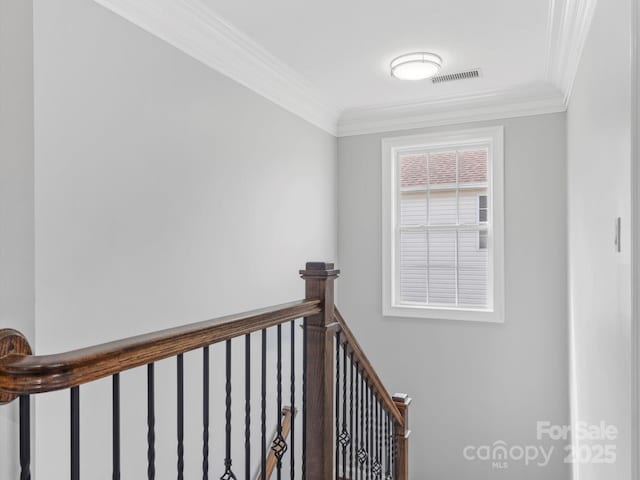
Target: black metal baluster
{"x":382,"y":442}
{"x":376,"y":463}
{"x":116,"y":426}
{"x":362,"y":452}
{"x":391,"y":471}
{"x":180,"y":415}
{"x":351,"y":433}
{"x":392,"y":467}
{"x":381,"y":439}
{"x":366,"y":428}
{"x":378,"y":433}
{"x":390,"y":474}
{"x":358,"y":437}
{"x":205,"y":412}
{"x":387,"y":432}
{"x":228,"y":474}
{"x":370,"y":430}
{"x":374,"y":437}
{"x":367,"y":435}
{"x":365,"y":432}
{"x":75,"y":433}
{"x":279,"y":446}
{"x":387,"y":453}
{"x":337,"y":407}
{"x":374,"y":446}
{"x":247,"y":406}
{"x":25,"y":438}
{"x":394,"y":451}
{"x":304,"y":400}
{"x":345,"y":438}
{"x":151,"y":423}
{"x":378,"y":439}
{"x":374,"y":453}
{"x":292,"y":430}
{"x":263,"y":449}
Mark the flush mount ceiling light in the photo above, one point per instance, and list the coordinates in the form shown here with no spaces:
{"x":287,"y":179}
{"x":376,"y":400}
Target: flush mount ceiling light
{"x":415,"y":66}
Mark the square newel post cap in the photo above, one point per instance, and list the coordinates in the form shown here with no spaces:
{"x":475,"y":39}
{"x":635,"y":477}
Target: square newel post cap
{"x":319,"y":269}
{"x":402,"y":399}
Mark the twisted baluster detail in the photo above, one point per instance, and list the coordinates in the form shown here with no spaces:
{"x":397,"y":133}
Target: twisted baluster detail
{"x":345,"y":437}
{"x":228,"y":473}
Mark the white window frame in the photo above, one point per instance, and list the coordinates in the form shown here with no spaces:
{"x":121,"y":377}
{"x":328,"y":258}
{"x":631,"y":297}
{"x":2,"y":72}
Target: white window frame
{"x":391,"y":147}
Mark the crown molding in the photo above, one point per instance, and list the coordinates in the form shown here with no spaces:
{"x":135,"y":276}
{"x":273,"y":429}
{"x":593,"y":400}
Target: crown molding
{"x":569,"y":22}
{"x":568,"y":27}
{"x":491,"y":105}
{"x":196,"y":30}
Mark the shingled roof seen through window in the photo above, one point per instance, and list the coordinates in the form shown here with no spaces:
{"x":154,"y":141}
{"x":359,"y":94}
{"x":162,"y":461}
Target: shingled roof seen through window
{"x":441,"y":168}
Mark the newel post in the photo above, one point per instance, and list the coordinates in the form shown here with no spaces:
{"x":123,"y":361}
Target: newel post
{"x":402,"y":401}
{"x":319,"y":345}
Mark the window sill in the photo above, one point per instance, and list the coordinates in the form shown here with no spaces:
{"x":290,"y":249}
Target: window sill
{"x":443,"y":313}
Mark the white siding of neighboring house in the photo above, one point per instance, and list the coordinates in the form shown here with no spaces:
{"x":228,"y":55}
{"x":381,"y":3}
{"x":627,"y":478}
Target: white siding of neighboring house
{"x":437,"y":250}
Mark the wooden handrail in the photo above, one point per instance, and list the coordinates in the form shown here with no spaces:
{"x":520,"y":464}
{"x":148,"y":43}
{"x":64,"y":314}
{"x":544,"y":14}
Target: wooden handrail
{"x":368,"y":370}
{"x":28,"y":374}
{"x":22,"y":373}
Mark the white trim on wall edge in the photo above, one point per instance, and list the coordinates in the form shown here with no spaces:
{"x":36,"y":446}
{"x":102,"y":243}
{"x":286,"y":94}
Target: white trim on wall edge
{"x":569,"y":22}
{"x":568,"y":26}
{"x":635,"y":238}
{"x":492,"y":105}
{"x":194,"y":29}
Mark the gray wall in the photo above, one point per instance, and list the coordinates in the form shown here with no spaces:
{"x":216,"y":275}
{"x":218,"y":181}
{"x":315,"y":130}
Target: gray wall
{"x":472,"y":383}
{"x":165,"y":193}
{"x":599,"y":160}
{"x":16,"y":194}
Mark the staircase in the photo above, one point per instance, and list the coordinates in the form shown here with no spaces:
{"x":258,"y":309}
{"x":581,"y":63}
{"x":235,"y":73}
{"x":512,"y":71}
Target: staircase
{"x":349,"y":426}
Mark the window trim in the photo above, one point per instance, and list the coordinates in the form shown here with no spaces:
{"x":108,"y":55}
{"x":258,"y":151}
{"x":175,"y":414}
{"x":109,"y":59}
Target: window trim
{"x":494,"y":138}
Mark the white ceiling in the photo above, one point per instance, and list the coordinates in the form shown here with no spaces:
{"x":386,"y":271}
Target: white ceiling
{"x":327,"y":61}
{"x":343,"y":48}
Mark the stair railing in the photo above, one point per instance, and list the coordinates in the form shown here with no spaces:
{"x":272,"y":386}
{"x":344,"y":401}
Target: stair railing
{"x":282,"y":431}
{"x":351,"y":427}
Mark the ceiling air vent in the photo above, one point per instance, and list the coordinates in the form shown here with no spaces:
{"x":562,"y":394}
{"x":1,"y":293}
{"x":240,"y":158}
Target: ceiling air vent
{"x":456,"y":76}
